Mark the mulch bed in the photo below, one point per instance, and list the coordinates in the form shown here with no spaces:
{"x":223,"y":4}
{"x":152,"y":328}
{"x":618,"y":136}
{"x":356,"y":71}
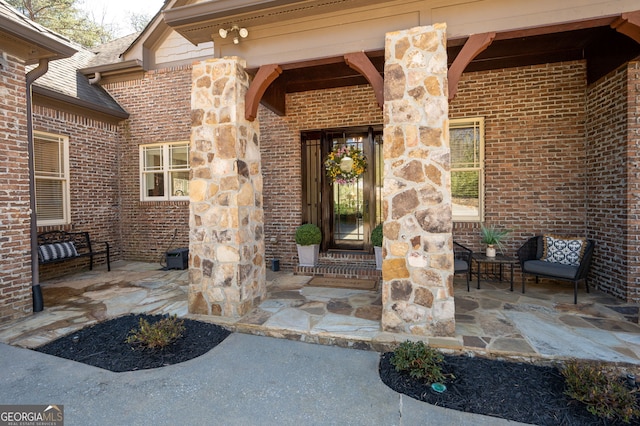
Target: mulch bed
{"x":103,"y":345}
{"x":509,"y":390}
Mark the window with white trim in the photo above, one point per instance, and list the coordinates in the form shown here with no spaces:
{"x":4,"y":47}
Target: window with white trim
{"x":51,"y":170}
{"x":164,"y":171}
{"x":466,"y":138}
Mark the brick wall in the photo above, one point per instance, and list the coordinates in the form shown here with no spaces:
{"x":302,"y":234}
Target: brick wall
{"x":93,"y":168}
{"x":540,"y":172}
{"x":15,"y":251}
{"x":160,"y":111}
{"x":612,"y":211}
{"x":281,"y":157}
{"x":534,"y":149}
{"x":633,"y":187}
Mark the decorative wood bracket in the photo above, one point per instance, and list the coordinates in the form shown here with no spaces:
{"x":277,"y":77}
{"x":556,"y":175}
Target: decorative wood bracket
{"x":360,"y":62}
{"x":475,"y":45}
{"x":264,"y":77}
{"x":628,"y":24}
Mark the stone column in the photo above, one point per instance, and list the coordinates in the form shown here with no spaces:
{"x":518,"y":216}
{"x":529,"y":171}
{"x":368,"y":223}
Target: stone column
{"x":226,"y":242}
{"x":417,"y":270}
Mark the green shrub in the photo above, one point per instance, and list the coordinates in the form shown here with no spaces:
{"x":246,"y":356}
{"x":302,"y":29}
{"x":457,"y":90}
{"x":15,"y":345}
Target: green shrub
{"x":376,"y":236}
{"x":604,"y":395}
{"x":420,"y":360}
{"x":308,"y":234}
{"x":158,"y":334}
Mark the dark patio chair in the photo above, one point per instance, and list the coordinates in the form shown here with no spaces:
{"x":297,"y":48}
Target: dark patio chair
{"x":530,"y":254}
{"x":462,"y":261}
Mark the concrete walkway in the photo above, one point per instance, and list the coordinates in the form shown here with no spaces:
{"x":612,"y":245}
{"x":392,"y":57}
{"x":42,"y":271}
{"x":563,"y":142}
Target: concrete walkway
{"x":253,"y":379}
{"x":246,"y":380}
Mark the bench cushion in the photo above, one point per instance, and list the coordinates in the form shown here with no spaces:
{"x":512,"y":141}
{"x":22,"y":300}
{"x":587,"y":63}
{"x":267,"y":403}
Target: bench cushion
{"x":460,"y":265}
{"x":565,"y":251}
{"x":549,"y":268}
{"x":48,"y":252}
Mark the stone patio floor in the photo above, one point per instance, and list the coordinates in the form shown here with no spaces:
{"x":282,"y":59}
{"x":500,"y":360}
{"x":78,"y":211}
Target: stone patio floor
{"x":493,"y":321}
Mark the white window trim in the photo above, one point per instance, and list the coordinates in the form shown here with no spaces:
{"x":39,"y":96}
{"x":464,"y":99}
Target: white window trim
{"x":66,"y":202}
{"x":165,"y":170}
{"x":460,"y":122}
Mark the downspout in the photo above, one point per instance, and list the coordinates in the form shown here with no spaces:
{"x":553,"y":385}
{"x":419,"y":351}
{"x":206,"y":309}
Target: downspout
{"x":38,"y":302}
{"x":96,"y":78}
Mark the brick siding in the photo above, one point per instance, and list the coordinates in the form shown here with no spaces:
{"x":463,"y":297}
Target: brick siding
{"x":534,"y":149}
{"x":633,"y":188}
{"x":93,"y":186}
{"x":538,"y":154}
{"x":159,"y":105}
{"x":613,"y":184}
{"x":15,"y":249}
{"x":280,"y":148}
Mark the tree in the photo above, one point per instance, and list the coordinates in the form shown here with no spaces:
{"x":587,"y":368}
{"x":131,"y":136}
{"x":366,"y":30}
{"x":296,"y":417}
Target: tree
{"x":63,"y":17}
{"x":139,"y":21}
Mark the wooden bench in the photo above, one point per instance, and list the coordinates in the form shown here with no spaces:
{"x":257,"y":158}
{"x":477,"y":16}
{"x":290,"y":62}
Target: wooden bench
{"x":58,"y":246}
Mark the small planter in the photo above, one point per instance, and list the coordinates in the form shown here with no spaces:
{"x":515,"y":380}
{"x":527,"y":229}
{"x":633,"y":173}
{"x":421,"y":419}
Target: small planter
{"x":308,"y":239}
{"x":491,"y":251}
{"x":308,"y":255}
{"x":378,"y":252}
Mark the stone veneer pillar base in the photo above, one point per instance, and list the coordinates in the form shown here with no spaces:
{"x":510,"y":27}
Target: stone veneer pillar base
{"x":226,"y":220}
{"x":417,"y":271}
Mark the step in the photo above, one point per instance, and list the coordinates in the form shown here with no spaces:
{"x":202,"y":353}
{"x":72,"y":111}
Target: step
{"x":342,"y":264}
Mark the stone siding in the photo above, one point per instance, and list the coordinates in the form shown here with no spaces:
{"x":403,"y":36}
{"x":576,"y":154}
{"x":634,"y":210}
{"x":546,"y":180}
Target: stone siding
{"x":227,"y":273}
{"x":417,"y":270}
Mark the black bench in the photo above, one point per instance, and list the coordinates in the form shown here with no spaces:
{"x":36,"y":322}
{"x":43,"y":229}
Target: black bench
{"x":531,"y":260}
{"x":58,"y":246}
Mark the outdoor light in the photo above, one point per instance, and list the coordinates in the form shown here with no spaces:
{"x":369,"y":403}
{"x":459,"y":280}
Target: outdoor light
{"x":240,"y":33}
{"x":346,"y":164}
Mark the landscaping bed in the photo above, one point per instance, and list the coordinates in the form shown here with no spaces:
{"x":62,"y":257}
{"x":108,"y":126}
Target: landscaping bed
{"x":510,"y":390}
{"x":104,"y":344}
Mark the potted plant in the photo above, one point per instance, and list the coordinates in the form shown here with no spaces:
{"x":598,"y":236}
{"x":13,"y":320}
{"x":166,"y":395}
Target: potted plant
{"x":493,"y":237}
{"x":308,"y":239}
{"x":376,"y":240}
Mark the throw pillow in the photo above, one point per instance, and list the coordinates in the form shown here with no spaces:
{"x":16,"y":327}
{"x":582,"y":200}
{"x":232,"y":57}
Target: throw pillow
{"x":56,"y":251}
{"x":566,"y":251}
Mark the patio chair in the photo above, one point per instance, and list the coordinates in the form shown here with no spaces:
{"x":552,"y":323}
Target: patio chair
{"x":462,"y":261}
{"x":531,"y":257}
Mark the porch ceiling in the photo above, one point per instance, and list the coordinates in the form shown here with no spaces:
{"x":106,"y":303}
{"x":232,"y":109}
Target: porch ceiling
{"x":603,"y":48}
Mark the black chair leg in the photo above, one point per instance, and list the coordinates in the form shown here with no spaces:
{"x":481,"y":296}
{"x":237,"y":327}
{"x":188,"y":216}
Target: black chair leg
{"x":523,"y":283}
{"x":575,"y":292}
{"x":586,"y":283}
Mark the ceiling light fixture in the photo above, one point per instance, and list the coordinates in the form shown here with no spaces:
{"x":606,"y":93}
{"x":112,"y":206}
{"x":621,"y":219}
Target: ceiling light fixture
{"x":240,"y":33}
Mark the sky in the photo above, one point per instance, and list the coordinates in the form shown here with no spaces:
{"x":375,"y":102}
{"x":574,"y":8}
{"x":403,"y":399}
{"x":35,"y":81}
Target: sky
{"x":116,"y":12}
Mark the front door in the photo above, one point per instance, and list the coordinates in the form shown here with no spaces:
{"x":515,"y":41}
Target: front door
{"x":345,"y":211}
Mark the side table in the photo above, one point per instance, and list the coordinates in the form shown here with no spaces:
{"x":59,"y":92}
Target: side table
{"x":499,"y":260}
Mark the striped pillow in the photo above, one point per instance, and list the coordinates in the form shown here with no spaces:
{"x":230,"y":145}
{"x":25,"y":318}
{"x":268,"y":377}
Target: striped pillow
{"x":55,"y":251}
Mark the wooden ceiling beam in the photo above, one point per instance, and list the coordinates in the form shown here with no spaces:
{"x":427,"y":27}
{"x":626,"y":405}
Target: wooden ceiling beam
{"x":360,"y":62}
{"x":475,"y":45}
{"x":629,"y":25}
{"x":259,"y":85}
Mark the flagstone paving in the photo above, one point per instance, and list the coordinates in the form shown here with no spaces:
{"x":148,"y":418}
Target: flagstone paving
{"x":493,"y":321}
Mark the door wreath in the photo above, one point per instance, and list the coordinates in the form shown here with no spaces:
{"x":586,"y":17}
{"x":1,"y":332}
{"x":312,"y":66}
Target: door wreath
{"x":345,"y":164}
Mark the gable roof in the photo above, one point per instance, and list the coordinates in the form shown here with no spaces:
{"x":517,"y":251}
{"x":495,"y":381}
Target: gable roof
{"x":110,"y":52}
{"x":29,"y":40}
{"x":63,"y":82}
